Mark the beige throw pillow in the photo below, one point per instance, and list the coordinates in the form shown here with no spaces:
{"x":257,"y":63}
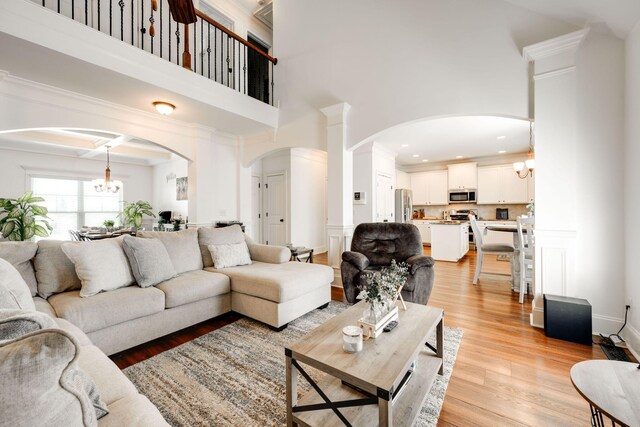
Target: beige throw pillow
{"x":217,"y":236}
{"x":149,"y":259}
{"x":54,"y":270}
{"x":101,"y":266}
{"x":20,"y":254}
{"x":14,"y":292}
{"x":182,"y":247}
{"x":231,"y":255}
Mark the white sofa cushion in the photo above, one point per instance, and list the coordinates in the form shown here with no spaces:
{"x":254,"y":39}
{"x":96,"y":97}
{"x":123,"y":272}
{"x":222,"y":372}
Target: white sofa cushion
{"x":14,"y":292}
{"x":182,"y":247}
{"x":277,"y":282}
{"x":108,"y":308}
{"x":101,"y":266}
{"x":54,"y":270}
{"x":231,"y":255}
{"x":217,"y":236}
{"x":193,"y":286}
{"x":20,"y":254}
{"x":149,"y":260}
{"x":133,"y":410}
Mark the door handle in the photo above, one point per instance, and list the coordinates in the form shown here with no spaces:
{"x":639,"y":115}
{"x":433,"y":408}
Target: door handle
{"x":282,"y":220}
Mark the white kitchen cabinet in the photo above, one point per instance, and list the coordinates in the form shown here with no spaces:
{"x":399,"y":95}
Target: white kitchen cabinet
{"x":449,"y":242}
{"x":463,"y":176}
{"x":429,"y":188}
{"x":501,"y":185}
{"x":425,"y":230}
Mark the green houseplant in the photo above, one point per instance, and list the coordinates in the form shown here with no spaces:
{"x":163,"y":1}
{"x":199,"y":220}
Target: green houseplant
{"x":132,"y":213}
{"x":23,"y":218}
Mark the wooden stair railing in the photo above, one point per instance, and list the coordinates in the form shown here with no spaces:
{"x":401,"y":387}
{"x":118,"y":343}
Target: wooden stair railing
{"x":220,"y":54}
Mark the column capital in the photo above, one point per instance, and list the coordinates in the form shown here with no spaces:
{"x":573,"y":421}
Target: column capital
{"x":554,"y":46}
{"x":336,"y":113}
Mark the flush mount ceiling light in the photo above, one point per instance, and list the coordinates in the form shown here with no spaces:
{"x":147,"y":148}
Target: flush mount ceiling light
{"x":164,"y":108}
{"x":106,"y":184}
{"x":416,"y":155}
{"x":404,"y":145}
{"x":501,"y":137}
{"x":528,"y":164}
{"x":502,"y":151}
{"x":425,"y":160}
{"x":458,"y":157}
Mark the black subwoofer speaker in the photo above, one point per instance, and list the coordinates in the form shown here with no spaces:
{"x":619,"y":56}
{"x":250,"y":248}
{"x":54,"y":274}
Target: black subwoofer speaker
{"x":567,"y":319}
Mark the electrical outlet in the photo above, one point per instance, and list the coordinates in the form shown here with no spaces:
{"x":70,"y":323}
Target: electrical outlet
{"x":629,"y":301}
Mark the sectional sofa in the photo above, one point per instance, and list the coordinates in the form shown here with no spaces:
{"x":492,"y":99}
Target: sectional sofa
{"x":269,"y":288}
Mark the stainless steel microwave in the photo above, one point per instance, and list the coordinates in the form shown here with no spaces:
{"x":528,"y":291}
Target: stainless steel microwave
{"x":463,"y":196}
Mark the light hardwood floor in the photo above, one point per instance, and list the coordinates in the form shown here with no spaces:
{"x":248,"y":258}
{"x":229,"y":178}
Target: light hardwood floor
{"x":507,"y":373}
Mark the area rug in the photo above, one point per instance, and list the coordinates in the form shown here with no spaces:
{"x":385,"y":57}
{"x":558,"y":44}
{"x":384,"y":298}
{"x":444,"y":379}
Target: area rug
{"x":235,"y":376}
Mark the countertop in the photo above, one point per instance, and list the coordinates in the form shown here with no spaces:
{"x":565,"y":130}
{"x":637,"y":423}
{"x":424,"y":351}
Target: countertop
{"x":449,"y":222}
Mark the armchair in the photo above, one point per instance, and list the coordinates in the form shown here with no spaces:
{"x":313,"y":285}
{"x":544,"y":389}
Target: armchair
{"x":374,"y":245}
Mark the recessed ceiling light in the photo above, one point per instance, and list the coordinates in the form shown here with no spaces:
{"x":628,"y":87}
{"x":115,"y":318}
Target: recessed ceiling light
{"x":416,"y":155}
{"x":502,"y":151}
{"x":501,"y":137}
{"x":425,"y":160}
{"x":458,"y":157}
{"x":404,"y":145}
{"x":164,"y":108}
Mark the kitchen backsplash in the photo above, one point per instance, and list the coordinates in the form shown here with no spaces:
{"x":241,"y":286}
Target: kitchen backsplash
{"x":484,"y":211}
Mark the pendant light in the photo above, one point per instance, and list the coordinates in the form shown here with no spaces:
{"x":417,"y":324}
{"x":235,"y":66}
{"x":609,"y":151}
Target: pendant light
{"x":528,"y":164}
{"x":106,"y":184}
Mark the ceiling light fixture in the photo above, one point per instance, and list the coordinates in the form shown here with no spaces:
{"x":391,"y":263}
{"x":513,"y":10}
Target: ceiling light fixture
{"x":164,"y":108}
{"x":425,"y":160}
{"x":405,"y":145}
{"x":528,"y":164}
{"x":458,"y":157}
{"x":416,"y":155}
{"x":106,"y":184}
{"x":502,"y":151}
{"x":501,"y":137}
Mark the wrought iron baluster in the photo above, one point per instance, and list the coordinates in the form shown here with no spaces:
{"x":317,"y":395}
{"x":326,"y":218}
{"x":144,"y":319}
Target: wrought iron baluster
{"x":272,"y":85}
{"x":195,"y":45}
{"x":86,"y":13}
{"x":58,"y":6}
{"x":244,"y":69}
{"x":121,"y":4}
{"x":161,"y":1}
{"x":132,"y":29}
{"x":202,"y":47}
{"x":177,"y":43}
{"x":98,"y":15}
{"x":228,"y":62}
{"x":215,"y":50}
{"x":233,"y":62}
{"x":169,"y":36}
{"x":43,"y":1}
{"x":111,"y":17}
{"x":209,"y":51}
{"x":142,"y":29}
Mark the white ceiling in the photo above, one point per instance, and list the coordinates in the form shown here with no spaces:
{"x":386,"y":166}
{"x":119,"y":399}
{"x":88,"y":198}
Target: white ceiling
{"x":619,"y":16}
{"x":442,"y":140}
{"x":86,"y":144}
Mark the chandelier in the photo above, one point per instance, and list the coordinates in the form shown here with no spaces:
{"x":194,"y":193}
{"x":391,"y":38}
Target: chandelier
{"x":106,"y":184}
{"x":528,"y":164}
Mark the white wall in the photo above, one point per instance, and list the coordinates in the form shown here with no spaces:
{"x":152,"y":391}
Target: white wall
{"x":631,"y":180}
{"x":369,"y":160}
{"x":599,"y":177}
{"x":164,"y":190}
{"x":395,"y":62}
{"x":309,"y":198}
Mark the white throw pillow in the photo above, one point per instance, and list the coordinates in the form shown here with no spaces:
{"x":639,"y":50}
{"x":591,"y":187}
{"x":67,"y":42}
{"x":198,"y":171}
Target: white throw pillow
{"x":101,"y":266}
{"x":14,"y":292}
{"x":230,"y":255}
{"x":149,"y":259}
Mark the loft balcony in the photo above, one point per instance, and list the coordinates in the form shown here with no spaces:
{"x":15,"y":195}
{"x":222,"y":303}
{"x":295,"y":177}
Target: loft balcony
{"x":133,"y":53}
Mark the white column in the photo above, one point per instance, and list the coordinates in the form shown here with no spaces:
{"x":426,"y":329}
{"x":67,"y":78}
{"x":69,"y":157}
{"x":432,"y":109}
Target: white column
{"x":555,"y":87}
{"x":339,"y":184}
{"x":201,"y":178}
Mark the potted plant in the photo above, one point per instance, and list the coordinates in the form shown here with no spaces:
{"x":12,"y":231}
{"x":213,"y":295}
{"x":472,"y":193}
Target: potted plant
{"x":382,"y":290}
{"x":109,"y":224}
{"x":22,"y":218}
{"x":133,"y":213}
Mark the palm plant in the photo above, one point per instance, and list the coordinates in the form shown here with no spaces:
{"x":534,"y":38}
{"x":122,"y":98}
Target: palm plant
{"x":22,"y":218}
{"x":132,"y":213}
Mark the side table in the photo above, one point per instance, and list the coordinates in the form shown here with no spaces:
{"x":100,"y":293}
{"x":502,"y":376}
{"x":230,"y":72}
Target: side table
{"x":301,"y":250}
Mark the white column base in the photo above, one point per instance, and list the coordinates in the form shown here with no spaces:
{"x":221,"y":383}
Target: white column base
{"x":339,"y":240}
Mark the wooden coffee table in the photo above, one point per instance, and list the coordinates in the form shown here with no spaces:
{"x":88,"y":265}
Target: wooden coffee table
{"x":378,"y":393}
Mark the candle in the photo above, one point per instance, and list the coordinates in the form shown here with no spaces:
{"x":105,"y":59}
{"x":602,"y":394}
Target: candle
{"x":352,"y":339}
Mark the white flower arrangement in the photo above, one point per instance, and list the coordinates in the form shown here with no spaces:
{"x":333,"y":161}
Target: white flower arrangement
{"x":385,"y":285}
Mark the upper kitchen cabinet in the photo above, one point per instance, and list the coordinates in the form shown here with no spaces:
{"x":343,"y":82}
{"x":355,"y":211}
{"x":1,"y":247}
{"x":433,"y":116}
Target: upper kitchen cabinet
{"x":501,"y":185}
{"x":463,"y":176}
{"x":429,"y":188}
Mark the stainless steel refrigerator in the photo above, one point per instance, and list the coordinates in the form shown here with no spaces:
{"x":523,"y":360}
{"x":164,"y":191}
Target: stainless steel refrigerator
{"x":404,"y":205}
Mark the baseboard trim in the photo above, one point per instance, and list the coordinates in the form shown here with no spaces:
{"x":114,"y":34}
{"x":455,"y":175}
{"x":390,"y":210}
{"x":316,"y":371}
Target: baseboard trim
{"x":605,"y":325}
{"x":632,"y":338}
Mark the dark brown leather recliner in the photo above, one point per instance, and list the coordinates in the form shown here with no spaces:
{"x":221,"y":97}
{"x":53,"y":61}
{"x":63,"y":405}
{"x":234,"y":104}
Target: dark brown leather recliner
{"x":374,"y":245}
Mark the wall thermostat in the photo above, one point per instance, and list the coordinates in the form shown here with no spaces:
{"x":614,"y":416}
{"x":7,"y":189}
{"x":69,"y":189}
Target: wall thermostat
{"x":359,"y":198}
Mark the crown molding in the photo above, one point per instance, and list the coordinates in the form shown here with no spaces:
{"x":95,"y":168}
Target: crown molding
{"x":337,"y":113}
{"x":554,"y":46}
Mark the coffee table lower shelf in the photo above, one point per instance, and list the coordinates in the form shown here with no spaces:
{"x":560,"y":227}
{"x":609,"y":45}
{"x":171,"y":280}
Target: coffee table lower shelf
{"x":405,"y":408}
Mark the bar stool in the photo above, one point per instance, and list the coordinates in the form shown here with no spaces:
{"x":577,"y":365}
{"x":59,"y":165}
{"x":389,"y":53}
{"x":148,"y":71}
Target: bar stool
{"x":490,"y":249}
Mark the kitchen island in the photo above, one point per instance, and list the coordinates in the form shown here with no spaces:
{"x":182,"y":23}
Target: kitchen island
{"x":449,"y":240}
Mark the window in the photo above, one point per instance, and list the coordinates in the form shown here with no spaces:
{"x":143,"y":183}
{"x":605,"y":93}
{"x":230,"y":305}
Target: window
{"x":73,"y":204}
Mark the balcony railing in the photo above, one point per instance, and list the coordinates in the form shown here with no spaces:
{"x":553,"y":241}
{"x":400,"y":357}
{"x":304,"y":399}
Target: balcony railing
{"x":204,"y":47}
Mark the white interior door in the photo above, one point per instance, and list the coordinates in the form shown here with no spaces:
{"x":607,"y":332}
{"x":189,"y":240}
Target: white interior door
{"x":385,"y":201}
{"x":275,"y":209}
{"x":256,"y":209}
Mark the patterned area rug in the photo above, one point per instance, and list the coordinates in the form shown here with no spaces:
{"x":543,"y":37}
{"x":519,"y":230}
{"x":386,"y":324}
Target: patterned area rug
{"x":235,"y":376}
